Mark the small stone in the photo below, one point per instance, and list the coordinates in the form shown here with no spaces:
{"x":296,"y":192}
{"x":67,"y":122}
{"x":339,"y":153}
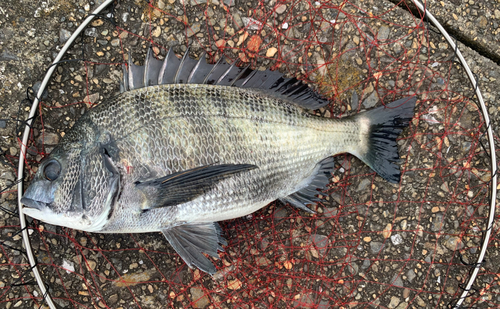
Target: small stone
{"x":97,"y":23}
{"x":113,"y":299}
{"x":91,"y":32}
{"x":263,"y":261}
{"x":100,"y":53}
{"x":482,"y":21}
{"x":36,"y":88}
{"x":271,"y":52}
{"x":64,"y":35}
{"x":90,"y":265}
{"x":199,"y":298}
{"x":234,"y":284}
{"x":280,"y":9}
{"x":238,"y":22}
{"x":371,"y":100}
{"x":411,"y":275}
{"x":435,"y":209}
{"x":396,"y":239}
{"x":160,"y":4}
{"x":406,"y":293}
{"x":363,"y":184}
{"x":156,"y":32}
{"x":251,"y":24}
{"x":220,"y":43}
{"x":394,"y":302}
{"x":253,"y":44}
{"x":376,"y":246}
{"x":367,"y":239}
{"x":48,"y":138}
{"x":229,"y":2}
{"x":3,"y":124}
{"x":115,"y":42}
{"x":193,"y":29}
{"x":288,"y":264}
{"x":383,"y":33}
{"x":397,"y":281}
{"x":454,"y":243}
{"x":198,"y":2}
{"x":320,"y":241}
{"x":497,"y":14}
{"x":387,"y":231}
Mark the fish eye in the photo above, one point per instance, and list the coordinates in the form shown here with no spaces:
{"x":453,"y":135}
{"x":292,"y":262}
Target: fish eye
{"x":52,"y":170}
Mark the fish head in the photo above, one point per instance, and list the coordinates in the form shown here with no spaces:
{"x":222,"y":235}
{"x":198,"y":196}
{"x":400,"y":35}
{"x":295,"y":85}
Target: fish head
{"x":73,"y":187}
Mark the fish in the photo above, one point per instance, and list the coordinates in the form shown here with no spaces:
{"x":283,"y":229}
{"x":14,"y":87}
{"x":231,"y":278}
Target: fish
{"x":187,"y":144}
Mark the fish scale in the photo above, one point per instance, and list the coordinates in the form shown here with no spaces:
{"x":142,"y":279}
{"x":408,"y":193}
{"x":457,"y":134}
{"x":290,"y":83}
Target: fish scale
{"x":266,"y":130}
{"x":177,"y":158}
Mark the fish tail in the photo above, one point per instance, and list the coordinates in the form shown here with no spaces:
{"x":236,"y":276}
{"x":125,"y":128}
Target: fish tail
{"x":380,"y":128}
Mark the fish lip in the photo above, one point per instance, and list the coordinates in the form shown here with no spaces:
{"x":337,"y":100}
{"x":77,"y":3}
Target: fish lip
{"x":32,"y":204}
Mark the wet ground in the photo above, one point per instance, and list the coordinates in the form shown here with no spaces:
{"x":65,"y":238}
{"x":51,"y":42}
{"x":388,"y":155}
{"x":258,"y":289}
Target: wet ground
{"x":372,"y":244}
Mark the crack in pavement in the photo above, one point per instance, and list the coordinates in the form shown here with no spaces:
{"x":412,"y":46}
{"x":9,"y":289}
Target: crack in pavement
{"x":455,"y":33}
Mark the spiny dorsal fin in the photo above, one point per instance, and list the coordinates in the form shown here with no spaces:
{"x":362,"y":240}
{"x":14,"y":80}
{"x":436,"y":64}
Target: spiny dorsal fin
{"x":173,"y":70}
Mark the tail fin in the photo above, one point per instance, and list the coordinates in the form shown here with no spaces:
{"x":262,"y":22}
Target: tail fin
{"x":385,"y":123}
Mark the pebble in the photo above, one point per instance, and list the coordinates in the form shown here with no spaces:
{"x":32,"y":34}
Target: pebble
{"x":238,"y":22}
{"x":354,"y":100}
{"x":271,"y":52}
{"x":253,"y":44}
{"x":198,"y":2}
{"x":394,"y":302}
{"x":64,"y":35}
{"x":387,"y":231}
{"x":229,"y":2}
{"x":396,"y":239}
{"x":280,"y":213}
{"x":371,"y":100}
{"x":397,"y":281}
{"x":48,"y":138}
{"x":195,"y":28}
{"x":263,"y":261}
{"x":199,"y":298}
{"x":383,"y":33}
{"x":251,"y":24}
{"x":280,"y":9}
{"x":376,"y":246}
{"x":3,"y":124}
{"x":115,"y":42}
{"x":234,"y":284}
{"x":454,"y":243}
{"x":320,"y":241}
{"x":156,"y":32}
{"x":482,"y":21}
{"x":363,"y":184}
{"x":91,"y":32}
{"x":36,"y":88}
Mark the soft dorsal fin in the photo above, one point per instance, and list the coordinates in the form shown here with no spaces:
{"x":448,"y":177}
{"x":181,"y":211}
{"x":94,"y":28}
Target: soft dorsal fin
{"x":319,"y":179}
{"x":187,"y":70}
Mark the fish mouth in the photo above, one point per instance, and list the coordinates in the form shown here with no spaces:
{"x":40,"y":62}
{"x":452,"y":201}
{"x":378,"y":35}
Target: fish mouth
{"x":33,"y":204}
{"x":33,"y":208}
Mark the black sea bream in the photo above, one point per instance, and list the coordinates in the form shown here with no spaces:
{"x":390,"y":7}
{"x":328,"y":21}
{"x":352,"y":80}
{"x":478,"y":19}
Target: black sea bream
{"x":187,"y":144}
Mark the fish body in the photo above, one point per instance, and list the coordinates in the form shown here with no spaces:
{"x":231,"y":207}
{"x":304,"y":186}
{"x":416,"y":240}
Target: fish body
{"x":178,"y":157}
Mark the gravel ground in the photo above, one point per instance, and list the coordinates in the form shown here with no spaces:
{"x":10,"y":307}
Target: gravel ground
{"x":372,"y":244}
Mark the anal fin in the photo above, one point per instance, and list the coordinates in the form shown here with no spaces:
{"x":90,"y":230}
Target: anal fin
{"x":319,"y":179}
{"x":191,"y":240}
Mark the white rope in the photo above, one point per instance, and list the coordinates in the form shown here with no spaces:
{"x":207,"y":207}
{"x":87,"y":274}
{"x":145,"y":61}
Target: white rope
{"x":491,"y":141}
{"x":22,"y":155}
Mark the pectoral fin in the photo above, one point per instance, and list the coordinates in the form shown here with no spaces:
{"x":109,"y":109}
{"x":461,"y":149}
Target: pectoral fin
{"x":185,"y":186}
{"x":191,"y":240}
